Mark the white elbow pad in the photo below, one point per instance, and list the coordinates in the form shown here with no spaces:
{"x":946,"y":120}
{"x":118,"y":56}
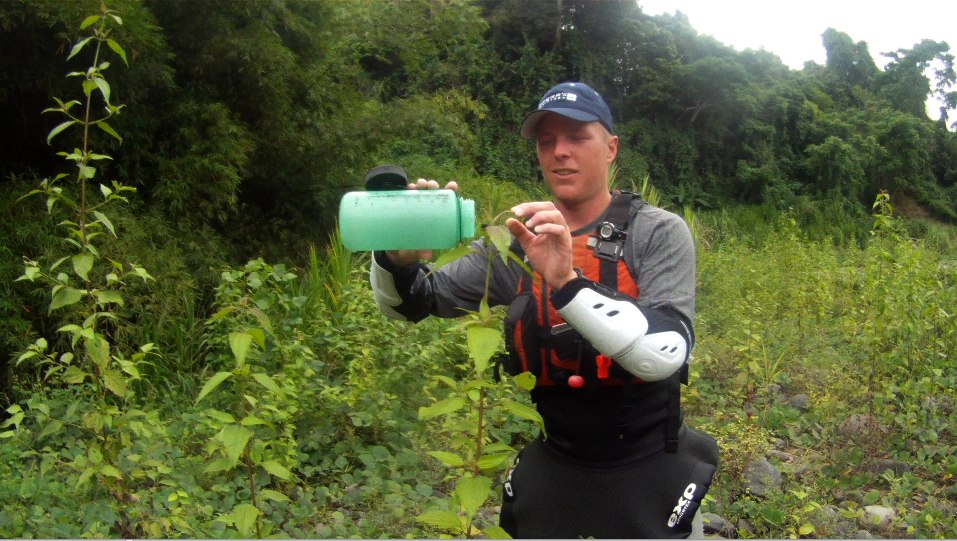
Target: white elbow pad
{"x":618,"y":329}
{"x":384,"y":291}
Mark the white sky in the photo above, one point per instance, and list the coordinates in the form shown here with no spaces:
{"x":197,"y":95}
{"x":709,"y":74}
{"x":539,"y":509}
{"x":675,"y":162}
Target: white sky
{"x":792,"y":30}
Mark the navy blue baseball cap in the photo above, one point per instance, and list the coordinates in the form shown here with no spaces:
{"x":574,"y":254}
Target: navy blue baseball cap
{"x":574,"y":100}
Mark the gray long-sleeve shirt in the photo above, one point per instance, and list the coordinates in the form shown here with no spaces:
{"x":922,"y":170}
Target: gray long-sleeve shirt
{"x":659,"y":251}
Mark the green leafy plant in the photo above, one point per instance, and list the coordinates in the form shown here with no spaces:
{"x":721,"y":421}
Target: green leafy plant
{"x":86,"y":288}
{"x":478,"y":457}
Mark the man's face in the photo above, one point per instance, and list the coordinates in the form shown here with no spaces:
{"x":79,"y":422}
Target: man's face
{"x":574,"y":157}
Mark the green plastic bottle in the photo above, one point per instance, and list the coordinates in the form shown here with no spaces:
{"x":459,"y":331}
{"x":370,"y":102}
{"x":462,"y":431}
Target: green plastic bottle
{"x":405,"y":220}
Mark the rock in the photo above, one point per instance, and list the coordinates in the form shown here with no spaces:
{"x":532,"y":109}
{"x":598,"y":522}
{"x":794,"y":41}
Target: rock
{"x":951,"y":492}
{"x":322,"y":529}
{"x":761,"y":477}
{"x":895,"y":466}
{"x":856,"y":496}
{"x":828,"y":522}
{"x":780,"y":455}
{"x":859,"y":424}
{"x":814,"y":457}
{"x":438,"y":494}
{"x":863,"y":534}
{"x":744,"y":528}
{"x":877,"y":517}
{"x":799,"y":402}
{"x":715,"y":524}
{"x":779,"y":443}
{"x":800,"y":470}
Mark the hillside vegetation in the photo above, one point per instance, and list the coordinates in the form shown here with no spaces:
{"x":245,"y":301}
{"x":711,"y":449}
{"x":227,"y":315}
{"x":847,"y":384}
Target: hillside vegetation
{"x":189,"y":351}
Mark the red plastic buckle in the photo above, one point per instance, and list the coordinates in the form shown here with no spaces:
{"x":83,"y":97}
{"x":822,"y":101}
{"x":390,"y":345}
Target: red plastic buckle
{"x":604,"y":363}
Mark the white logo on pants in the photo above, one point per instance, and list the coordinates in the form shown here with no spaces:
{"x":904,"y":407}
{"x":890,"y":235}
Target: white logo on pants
{"x":683,"y":501}
{"x":508,"y":483}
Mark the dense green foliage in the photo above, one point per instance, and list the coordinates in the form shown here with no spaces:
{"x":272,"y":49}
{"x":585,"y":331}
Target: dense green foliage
{"x":231,"y":397}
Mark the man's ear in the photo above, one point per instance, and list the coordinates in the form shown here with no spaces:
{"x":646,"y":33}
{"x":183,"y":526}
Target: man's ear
{"x":612,"y":148}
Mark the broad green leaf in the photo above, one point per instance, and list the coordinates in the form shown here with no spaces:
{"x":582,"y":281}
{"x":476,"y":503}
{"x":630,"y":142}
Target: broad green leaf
{"x":807,"y":529}
{"x":872,"y":497}
{"x":445,"y":520}
{"x":268,"y":383}
{"x":473,"y":491}
{"x":442,"y":407}
{"x":212,"y":384}
{"x":99,"y":351}
{"x":525,"y":380}
{"x":58,"y":262}
{"x":116,"y":382}
{"x":104,"y":88}
{"x":245,"y":517}
{"x":85,"y":476}
{"x":496,"y":532}
{"x":522,"y":411}
{"x":449,"y":459}
{"x":105,"y":191}
{"x":52,"y":427}
{"x":73,"y":375}
{"x":116,"y":46}
{"x":221,"y":314}
{"x":250,"y":420}
{"x":277,"y":469}
{"x":773,"y":514}
{"x":492,"y":461}
{"x":88,"y":87}
{"x":239,"y":342}
{"x":108,"y":129}
{"x":452,"y":255}
{"x":78,"y":47}
{"x":111,"y":471}
{"x":259,"y":336}
{"x":220,"y":416}
{"x":501,"y":238}
{"x":58,"y":129}
{"x":105,"y":297}
{"x":104,"y":220}
{"x":234,"y":438}
{"x":273,"y":495}
{"x":483,"y":342}
{"x":220,"y":464}
{"x":65,"y":297}
{"x":263,"y":319}
{"x":88,"y":21}
{"x":497,"y":447}
{"x":82,"y":263}
{"x":448,"y":381}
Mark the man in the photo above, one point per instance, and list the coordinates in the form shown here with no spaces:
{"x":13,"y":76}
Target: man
{"x":606,"y":330}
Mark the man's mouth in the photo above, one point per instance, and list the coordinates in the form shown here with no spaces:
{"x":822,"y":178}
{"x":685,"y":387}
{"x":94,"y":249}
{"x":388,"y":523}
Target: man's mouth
{"x":564,"y":172}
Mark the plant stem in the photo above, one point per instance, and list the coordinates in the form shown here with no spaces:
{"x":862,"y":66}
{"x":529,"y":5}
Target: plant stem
{"x":478,"y":450}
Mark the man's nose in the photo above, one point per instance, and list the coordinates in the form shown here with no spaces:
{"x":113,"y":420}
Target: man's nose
{"x":562,"y":147}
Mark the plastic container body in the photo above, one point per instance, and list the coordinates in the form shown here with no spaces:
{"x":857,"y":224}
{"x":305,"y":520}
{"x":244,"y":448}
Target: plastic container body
{"x":405,"y":220}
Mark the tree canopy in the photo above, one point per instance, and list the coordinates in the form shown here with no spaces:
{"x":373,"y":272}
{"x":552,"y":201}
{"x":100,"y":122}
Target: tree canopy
{"x":255,"y":116}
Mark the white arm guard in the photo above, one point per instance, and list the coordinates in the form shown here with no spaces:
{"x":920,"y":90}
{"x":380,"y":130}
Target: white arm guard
{"x":383,"y":289}
{"x":618,"y":329}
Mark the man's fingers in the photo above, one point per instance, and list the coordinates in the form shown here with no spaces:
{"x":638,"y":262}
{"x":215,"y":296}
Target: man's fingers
{"x":519,"y":230}
{"x":549,"y":229}
{"x":452,"y":186}
{"x":527,"y":209}
{"x":545,"y":217}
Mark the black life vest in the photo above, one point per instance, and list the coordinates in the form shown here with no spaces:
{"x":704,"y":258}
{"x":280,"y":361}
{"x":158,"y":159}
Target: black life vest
{"x":540,"y":342}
